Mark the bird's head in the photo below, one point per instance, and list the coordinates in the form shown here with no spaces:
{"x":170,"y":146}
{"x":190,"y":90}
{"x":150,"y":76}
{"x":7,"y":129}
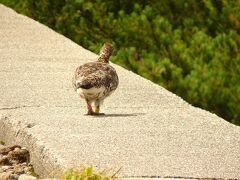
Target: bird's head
{"x":105,"y":53}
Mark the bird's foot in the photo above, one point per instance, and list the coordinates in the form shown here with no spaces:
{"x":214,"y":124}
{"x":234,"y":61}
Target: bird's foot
{"x":95,"y":114}
{"x":99,"y":114}
{"x":91,"y":113}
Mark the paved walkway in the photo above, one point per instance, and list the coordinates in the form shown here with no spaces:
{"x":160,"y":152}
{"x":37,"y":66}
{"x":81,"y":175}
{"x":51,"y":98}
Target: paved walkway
{"x":147,"y":130}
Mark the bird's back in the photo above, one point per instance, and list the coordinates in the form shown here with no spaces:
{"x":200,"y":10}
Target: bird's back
{"x":97,"y":79}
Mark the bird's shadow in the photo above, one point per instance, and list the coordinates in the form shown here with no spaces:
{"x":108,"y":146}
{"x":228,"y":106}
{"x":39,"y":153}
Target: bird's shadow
{"x":119,"y":115}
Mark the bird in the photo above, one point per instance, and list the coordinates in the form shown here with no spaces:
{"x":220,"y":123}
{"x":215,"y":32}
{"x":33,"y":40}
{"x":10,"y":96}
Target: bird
{"x":94,"y":81}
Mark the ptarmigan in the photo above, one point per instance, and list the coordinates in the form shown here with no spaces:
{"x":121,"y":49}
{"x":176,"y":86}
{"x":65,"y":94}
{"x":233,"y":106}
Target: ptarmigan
{"x":95,"y":81}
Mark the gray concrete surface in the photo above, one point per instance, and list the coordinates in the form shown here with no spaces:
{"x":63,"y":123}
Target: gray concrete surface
{"x":147,"y":131}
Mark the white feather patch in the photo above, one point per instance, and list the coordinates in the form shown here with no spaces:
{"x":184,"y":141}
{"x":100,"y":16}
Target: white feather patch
{"x":92,"y":93}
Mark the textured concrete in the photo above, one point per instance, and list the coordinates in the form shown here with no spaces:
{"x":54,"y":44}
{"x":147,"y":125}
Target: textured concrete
{"x":147,"y":132}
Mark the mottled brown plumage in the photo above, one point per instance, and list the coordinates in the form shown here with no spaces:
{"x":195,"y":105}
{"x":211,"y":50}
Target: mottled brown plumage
{"x":95,"y":81}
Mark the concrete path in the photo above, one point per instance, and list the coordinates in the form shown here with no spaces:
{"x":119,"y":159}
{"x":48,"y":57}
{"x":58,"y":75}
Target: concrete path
{"x":147,"y":130}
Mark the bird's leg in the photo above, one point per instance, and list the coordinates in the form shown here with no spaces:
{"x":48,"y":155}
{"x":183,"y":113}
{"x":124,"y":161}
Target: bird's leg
{"x":89,"y":107}
{"x":90,"y":110}
{"x":97,"y":108}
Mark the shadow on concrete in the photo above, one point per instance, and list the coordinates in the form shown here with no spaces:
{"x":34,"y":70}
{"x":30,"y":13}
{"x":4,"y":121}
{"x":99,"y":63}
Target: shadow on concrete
{"x":121,"y":115}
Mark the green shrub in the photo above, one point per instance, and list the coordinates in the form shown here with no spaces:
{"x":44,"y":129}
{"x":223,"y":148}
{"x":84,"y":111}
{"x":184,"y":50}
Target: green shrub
{"x":86,"y":173}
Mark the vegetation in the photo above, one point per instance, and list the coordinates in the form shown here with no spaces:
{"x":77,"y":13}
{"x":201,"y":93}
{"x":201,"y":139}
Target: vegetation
{"x":86,"y":173}
{"x":190,"y":47}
